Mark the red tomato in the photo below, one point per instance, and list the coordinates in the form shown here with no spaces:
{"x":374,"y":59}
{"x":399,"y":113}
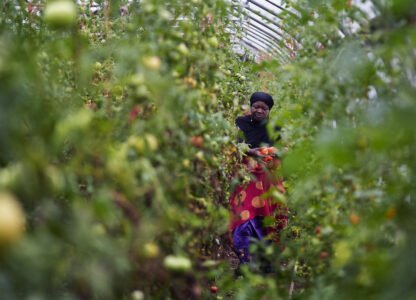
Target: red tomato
{"x":197,"y":141}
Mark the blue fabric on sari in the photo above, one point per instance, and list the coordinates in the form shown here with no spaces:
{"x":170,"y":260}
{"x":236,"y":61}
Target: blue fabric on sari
{"x":245,"y":234}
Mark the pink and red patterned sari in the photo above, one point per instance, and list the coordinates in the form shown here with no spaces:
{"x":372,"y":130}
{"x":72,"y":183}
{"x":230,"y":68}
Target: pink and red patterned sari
{"x":248,"y":204}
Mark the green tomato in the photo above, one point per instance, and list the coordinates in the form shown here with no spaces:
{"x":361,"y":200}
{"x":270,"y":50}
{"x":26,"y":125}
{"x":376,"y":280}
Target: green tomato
{"x":60,"y":14}
{"x":98,"y":229}
{"x":136,"y":79}
{"x":183,"y":49}
{"x":137,"y":295}
{"x":12,"y":219}
{"x":177,"y":263}
{"x":142,"y":91}
{"x":152,"y":62}
{"x":151,"y":250}
{"x":152,"y":141}
{"x":149,"y":8}
{"x":137,"y":143}
{"x":213,"y":42}
{"x":209,"y":263}
{"x":98,"y":66}
{"x":164,"y":14}
{"x":342,"y":254}
{"x":186,"y":163}
{"x":118,"y":90}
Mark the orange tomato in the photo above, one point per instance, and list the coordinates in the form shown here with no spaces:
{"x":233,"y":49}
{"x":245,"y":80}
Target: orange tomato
{"x":354,"y":219}
{"x":264,"y":151}
{"x":391,"y":213}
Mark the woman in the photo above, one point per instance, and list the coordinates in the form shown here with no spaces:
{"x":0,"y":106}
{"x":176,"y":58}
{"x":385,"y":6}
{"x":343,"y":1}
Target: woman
{"x":248,"y":207}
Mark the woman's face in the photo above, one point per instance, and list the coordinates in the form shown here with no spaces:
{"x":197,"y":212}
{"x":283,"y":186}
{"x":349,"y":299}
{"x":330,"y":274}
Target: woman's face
{"x":259,"y":110}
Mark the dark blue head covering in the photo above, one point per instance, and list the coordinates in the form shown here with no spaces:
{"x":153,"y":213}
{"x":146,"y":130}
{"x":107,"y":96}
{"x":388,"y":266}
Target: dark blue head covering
{"x":261,"y":96}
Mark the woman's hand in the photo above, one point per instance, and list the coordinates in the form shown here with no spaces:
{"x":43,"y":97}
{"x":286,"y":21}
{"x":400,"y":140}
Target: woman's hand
{"x":256,"y":152}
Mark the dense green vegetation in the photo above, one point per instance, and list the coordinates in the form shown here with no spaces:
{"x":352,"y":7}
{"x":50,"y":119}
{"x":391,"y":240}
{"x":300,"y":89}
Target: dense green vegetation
{"x":118,"y":151}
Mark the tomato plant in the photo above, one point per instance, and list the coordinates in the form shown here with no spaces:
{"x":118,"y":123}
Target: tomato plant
{"x":119,"y":151}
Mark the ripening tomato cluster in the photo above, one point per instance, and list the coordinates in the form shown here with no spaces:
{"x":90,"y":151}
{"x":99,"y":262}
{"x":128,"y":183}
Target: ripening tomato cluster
{"x":269,"y":152}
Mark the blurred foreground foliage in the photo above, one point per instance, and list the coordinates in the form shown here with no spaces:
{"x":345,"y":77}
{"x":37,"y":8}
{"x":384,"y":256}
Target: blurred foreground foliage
{"x":99,"y":117}
{"x":117,"y":139}
{"x":348,"y":105}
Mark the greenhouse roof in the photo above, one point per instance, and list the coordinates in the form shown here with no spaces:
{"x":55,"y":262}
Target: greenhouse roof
{"x":264,"y":32}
